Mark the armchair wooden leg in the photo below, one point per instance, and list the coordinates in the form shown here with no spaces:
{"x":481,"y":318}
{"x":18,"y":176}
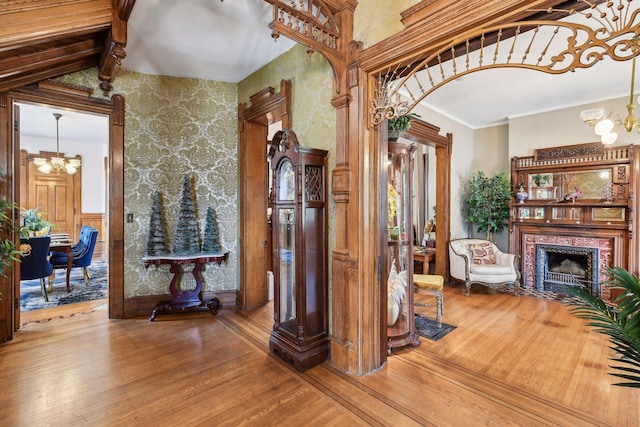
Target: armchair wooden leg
{"x":53,"y":275}
{"x":86,"y":275}
{"x":468,"y":288}
{"x":44,"y":289}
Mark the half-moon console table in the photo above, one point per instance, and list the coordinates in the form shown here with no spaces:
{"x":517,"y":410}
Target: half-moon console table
{"x":188,"y":300}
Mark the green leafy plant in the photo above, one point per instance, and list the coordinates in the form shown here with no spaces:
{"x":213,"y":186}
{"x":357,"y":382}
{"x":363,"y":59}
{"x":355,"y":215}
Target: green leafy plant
{"x":621,"y":323}
{"x":33,"y":222}
{"x":401,"y":123}
{"x":8,"y":250}
{"x":487,"y":202}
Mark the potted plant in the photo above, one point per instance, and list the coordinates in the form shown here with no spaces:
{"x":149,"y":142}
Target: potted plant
{"x":621,"y":323}
{"x":399,"y":124}
{"x":8,"y":250}
{"x":33,"y":224}
{"x":487,"y":202}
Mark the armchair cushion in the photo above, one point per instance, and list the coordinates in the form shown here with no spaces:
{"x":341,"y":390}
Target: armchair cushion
{"x":492,"y":269}
{"x":482,"y":253}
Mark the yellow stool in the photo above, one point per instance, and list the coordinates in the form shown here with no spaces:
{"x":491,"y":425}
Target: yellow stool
{"x":430,"y":284}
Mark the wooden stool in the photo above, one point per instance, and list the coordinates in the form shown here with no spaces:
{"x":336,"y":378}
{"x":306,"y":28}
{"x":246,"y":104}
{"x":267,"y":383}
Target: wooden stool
{"x":430,"y":284}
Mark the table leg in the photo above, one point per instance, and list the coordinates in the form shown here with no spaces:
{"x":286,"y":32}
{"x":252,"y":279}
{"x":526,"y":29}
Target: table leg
{"x":69,"y":266}
{"x":186,"y":300}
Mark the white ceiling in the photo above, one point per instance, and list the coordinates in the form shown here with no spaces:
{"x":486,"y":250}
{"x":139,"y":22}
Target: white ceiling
{"x":207,"y":39}
{"x":229,"y":40}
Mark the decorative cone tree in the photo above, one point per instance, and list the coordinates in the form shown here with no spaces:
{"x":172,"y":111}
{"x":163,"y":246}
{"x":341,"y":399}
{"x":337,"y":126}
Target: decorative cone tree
{"x":186,"y":240}
{"x":211,"y":243}
{"x":156,"y":242}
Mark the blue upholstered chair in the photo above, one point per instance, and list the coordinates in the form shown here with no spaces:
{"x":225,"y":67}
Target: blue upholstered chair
{"x":82,"y":252}
{"x":35,"y":264}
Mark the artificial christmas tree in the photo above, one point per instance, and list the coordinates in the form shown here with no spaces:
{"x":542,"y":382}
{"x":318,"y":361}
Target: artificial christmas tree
{"x":186,"y":239}
{"x":211,"y":243}
{"x":156,"y":243}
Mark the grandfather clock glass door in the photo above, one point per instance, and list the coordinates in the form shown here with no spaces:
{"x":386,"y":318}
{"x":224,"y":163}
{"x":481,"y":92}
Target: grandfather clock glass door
{"x":300,"y":329}
{"x":287,"y":291}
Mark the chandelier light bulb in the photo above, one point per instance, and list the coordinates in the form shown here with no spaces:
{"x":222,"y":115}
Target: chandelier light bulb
{"x":57,"y":163}
{"x":603,"y":127}
{"x":609,"y":138}
{"x":591,"y":116}
{"x":45,"y":168}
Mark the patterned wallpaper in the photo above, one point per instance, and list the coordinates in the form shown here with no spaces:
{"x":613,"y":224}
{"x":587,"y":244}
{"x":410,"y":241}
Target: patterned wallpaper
{"x":176,"y":126}
{"x":371,"y":26}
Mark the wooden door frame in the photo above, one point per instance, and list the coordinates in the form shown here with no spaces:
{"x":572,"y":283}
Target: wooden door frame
{"x":428,"y":134}
{"x":267,"y":107}
{"x":79,"y":98}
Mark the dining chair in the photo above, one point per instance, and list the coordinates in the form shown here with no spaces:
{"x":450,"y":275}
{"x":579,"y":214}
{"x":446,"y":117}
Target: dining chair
{"x":35,"y":263}
{"x":82,"y":252}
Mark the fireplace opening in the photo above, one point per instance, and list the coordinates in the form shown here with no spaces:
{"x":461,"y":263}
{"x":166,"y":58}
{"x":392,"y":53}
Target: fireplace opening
{"x":559,"y":267}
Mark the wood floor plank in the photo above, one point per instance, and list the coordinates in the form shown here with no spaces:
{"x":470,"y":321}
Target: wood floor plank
{"x":510,"y":361}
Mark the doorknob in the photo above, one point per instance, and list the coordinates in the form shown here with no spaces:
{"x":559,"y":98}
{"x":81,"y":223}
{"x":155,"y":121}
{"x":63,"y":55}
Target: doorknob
{"x":264,"y":244}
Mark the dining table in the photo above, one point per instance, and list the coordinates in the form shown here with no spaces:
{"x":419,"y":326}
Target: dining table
{"x":62,"y":242}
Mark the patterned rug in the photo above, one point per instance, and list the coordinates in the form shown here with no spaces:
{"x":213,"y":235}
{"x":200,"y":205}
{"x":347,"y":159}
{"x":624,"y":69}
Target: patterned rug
{"x":428,"y":328}
{"x":31,"y":297}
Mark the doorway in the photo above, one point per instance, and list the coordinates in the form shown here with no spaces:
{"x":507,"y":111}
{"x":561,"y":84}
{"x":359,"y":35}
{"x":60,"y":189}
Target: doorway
{"x":69,"y":97}
{"x":67,"y":200}
{"x":267,"y":109}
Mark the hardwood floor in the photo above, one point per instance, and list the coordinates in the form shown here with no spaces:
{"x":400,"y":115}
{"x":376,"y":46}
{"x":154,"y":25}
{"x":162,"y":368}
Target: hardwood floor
{"x":511,"y":361}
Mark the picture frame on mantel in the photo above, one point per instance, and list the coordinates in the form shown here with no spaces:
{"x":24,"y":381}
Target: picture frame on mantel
{"x":569,"y":151}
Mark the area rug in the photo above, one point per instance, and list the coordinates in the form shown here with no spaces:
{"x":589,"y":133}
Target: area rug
{"x":428,"y":328}
{"x":31,"y":297}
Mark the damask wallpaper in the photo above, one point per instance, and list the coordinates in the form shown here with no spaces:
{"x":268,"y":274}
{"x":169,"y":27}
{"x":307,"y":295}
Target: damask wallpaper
{"x":176,"y":126}
{"x":370,"y":26}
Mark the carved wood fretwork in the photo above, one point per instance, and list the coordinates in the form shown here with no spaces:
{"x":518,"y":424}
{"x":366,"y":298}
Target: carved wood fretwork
{"x":545,"y":45}
{"x":308,"y":22}
{"x":316,"y":24}
{"x":570,"y":151}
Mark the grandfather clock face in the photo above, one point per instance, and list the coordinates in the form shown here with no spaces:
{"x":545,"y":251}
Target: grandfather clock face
{"x":287,"y":182}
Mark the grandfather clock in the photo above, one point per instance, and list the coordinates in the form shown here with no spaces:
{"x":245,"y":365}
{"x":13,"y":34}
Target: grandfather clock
{"x":299,"y":241}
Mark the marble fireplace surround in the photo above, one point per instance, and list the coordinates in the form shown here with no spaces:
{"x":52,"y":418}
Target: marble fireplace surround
{"x":605,"y":246}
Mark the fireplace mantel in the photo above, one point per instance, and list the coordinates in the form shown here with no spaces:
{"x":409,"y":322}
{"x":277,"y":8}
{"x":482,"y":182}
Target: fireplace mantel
{"x":576,"y":198}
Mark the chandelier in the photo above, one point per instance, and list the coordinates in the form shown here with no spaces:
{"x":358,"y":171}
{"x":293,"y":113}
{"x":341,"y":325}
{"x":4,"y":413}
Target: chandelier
{"x":57,"y":163}
{"x":603,"y":127}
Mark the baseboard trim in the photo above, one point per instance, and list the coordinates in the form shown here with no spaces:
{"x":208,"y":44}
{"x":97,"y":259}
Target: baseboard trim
{"x":142,"y":306}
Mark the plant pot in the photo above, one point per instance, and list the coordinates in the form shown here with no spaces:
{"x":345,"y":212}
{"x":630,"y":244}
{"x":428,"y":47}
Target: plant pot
{"x":393,"y":134}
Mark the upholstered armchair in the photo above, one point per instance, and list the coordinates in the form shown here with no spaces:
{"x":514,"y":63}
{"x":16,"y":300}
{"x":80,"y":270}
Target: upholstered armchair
{"x":480,"y":261}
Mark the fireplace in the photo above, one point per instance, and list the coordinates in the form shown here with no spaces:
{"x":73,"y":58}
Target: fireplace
{"x":559,"y":267}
